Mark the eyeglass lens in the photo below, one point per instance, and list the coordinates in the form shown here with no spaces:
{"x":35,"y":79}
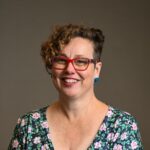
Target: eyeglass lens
{"x":78,"y":63}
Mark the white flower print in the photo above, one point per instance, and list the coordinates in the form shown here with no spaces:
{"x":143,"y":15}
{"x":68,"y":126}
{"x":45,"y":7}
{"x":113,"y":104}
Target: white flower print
{"x":49,"y":136}
{"x":116,"y":123}
{"x":124,"y":136}
{"x":103,"y":127}
{"x":15,"y":144}
{"x":110,"y":113}
{"x":134,"y":126}
{"x":110,"y":136}
{"x":45,"y":124}
{"x":36,"y":115}
{"x":127,"y":113}
{"x":24,"y":140}
{"x":37,"y":140}
{"x":45,"y":147}
{"x":29,"y":130}
{"x":134,"y":145}
{"x":23,"y":122}
{"x":97,"y":145}
{"x":128,"y":122}
{"x":117,"y":147}
{"x":116,"y":137}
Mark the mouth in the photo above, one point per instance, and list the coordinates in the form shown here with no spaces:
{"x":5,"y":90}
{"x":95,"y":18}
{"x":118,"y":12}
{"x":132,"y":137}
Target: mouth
{"x":69,"y":81}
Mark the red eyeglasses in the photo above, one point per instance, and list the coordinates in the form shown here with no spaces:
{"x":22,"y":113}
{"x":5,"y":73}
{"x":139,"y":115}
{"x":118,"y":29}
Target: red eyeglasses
{"x":79,"y":64}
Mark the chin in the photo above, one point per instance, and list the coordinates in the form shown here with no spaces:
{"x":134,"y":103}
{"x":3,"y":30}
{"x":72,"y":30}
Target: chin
{"x":70,"y":94}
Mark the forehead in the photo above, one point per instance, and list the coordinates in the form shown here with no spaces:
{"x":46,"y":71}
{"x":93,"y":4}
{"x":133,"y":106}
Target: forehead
{"x":78,"y":46}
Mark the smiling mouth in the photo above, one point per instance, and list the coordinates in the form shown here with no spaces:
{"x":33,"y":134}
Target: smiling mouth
{"x":69,"y":81}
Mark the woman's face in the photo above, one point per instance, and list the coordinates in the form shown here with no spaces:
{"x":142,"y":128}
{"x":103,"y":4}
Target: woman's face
{"x":70,"y":82}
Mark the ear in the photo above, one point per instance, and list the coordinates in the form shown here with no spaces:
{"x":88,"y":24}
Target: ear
{"x":98,"y":67}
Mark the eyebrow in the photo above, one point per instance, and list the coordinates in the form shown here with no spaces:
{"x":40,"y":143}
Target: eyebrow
{"x":62,"y":54}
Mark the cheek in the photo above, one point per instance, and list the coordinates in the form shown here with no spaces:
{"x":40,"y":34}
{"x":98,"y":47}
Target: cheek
{"x":56,"y":73}
{"x":89,"y":75}
{"x":55,"y":77}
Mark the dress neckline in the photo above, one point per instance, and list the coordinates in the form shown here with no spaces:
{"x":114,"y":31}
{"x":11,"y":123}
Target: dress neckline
{"x":98,"y":133}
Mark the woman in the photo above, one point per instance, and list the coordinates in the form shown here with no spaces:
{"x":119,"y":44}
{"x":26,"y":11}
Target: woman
{"x":77,"y":120}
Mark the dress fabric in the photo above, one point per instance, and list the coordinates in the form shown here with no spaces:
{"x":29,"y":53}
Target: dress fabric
{"x":118,"y":131}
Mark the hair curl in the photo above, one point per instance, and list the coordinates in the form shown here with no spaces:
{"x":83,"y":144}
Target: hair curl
{"x":62,"y":35}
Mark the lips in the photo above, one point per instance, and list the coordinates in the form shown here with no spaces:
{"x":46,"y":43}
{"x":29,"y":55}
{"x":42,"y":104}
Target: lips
{"x":69,"y":81}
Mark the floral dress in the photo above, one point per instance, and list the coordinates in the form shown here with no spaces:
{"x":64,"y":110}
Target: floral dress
{"x":118,"y":131}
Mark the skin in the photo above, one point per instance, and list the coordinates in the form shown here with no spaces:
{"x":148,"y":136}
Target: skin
{"x":70,"y":127}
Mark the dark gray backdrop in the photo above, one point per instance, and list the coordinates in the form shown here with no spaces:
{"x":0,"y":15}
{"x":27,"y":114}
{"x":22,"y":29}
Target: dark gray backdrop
{"x":24,"y":84}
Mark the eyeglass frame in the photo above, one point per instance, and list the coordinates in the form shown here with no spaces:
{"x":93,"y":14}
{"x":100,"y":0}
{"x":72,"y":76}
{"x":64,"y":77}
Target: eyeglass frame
{"x":69,"y":60}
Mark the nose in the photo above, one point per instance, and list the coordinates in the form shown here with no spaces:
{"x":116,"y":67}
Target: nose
{"x":70,"y":68}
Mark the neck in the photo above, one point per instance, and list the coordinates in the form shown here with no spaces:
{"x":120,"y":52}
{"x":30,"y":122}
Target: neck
{"x":76,"y":108}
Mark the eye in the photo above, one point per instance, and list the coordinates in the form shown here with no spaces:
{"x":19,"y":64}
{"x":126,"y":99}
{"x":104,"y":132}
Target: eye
{"x":60,"y":60}
{"x":81,"y":61}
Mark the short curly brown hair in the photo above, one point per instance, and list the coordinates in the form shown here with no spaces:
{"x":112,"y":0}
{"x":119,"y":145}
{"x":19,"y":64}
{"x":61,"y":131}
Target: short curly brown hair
{"x":62,"y":35}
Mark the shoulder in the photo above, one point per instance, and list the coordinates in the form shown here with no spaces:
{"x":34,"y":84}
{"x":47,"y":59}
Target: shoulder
{"x":120,"y":122}
{"x":121,"y":129}
{"x":34,"y":116}
{"x":120,"y":117}
{"x":30,"y":129}
{"x":30,"y":123}
{"x":124,"y":128}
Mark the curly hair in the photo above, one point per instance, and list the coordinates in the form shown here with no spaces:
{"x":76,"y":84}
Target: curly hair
{"x":62,"y":35}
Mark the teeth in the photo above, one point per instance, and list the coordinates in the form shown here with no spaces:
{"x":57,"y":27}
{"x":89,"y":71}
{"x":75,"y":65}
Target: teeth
{"x":70,"y":80}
